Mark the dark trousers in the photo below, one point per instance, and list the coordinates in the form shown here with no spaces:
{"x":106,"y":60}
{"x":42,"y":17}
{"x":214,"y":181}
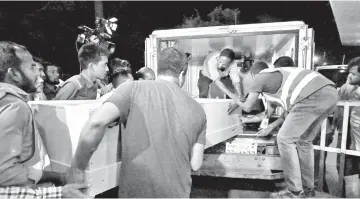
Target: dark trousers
{"x":203,"y":85}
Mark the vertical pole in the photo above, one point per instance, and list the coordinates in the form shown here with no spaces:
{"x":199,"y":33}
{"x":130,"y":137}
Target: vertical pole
{"x":99,"y":9}
{"x":343,"y":60}
{"x":343,"y":147}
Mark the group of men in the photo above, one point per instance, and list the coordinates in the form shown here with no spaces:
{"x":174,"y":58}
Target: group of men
{"x":89,"y":84}
{"x":160,"y":164}
{"x":306,"y":97}
{"x":166,"y":123}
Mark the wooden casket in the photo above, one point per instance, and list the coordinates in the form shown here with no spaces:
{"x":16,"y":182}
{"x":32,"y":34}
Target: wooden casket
{"x":59,"y":124}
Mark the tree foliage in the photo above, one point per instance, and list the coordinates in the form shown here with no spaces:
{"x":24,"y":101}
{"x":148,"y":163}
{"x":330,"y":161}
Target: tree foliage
{"x":220,"y":16}
{"x":217,"y":17}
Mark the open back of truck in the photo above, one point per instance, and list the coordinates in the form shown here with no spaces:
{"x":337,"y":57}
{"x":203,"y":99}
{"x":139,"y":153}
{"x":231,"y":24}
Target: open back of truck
{"x":240,"y":155}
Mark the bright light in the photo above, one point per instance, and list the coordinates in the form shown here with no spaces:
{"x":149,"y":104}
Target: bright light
{"x":316,"y":59}
{"x":113,"y":20}
{"x":325,"y":63}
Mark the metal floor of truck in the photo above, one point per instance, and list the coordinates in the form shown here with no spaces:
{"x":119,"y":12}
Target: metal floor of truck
{"x":210,"y":187}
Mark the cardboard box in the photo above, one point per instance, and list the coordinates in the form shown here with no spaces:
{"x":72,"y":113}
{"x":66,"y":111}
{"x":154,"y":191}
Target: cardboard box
{"x":59,"y":124}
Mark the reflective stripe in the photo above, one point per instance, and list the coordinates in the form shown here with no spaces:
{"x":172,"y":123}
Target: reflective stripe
{"x":301,"y":85}
{"x":78,"y":83}
{"x":273,"y":99}
{"x":286,"y":86}
{"x":264,"y":101}
{"x":269,"y":70}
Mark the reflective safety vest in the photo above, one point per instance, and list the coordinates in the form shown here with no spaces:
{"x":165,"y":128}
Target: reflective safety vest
{"x":297,"y":84}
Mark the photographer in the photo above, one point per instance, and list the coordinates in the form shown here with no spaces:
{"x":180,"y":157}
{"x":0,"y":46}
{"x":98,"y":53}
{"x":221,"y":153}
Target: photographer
{"x":93,"y":60}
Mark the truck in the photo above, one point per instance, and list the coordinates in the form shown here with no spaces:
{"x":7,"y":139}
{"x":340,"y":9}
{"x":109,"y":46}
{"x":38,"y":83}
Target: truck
{"x":240,"y":154}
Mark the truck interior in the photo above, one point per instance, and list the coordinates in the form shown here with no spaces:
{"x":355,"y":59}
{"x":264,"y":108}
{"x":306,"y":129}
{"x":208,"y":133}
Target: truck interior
{"x":253,"y":47}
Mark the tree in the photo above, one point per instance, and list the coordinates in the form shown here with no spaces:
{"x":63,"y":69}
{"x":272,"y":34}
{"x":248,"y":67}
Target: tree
{"x":265,"y":18}
{"x":217,"y":17}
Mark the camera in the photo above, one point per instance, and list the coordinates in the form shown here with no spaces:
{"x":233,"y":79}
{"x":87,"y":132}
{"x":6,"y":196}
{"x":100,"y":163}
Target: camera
{"x":103,"y":31}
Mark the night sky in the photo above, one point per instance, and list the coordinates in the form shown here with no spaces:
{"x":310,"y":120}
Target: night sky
{"x":49,"y":29}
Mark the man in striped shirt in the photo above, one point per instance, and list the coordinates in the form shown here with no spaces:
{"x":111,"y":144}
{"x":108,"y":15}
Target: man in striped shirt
{"x":307,"y":98}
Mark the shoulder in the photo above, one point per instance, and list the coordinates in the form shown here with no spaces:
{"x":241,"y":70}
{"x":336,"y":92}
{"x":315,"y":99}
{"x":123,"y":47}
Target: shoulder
{"x":13,"y":103}
{"x":197,"y":108}
{"x":76,"y":80}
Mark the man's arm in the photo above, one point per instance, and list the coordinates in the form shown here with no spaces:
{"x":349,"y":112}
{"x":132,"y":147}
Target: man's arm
{"x":272,"y":126}
{"x":271,"y":109}
{"x":237,"y":86}
{"x":225,"y":90}
{"x":236,"y":80}
{"x":197,"y":152}
{"x":92,"y":133}
{"x":117,"y":106}
{"x":67,"y":92}
{"x":249,"y":103}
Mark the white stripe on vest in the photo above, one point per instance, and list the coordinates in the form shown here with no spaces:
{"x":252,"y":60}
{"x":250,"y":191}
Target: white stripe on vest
{"x":288,"y":89}
{"x":301,"y":85}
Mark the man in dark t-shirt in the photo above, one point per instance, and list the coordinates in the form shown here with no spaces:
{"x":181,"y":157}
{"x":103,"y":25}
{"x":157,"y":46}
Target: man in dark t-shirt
{"x":164,"y":137}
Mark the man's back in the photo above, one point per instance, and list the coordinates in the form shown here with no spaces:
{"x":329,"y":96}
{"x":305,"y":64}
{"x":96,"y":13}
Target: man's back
{"x":162,"y":126}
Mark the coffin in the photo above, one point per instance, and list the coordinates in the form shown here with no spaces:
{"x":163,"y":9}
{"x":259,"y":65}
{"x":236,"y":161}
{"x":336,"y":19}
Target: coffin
{"x":220,"y":125}
{"x":59,"y":124}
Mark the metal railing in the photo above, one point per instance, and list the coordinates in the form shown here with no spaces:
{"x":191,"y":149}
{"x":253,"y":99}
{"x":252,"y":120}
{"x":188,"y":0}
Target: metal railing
{"x":343,"y":151}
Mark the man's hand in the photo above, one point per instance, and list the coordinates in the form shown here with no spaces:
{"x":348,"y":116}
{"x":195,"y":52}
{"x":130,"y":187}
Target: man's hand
{"x":74,"y":191}
{"x":242,"y":98}
{"x":267,"y":131}
{"x":232,"y":107}
{"x":75,"y":176}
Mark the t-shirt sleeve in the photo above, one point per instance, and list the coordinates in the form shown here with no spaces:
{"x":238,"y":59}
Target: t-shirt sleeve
{"x":121,"y":98}
{"x":234,"y":73}
{"x":258,"y":84}
{"x":202,"y":134}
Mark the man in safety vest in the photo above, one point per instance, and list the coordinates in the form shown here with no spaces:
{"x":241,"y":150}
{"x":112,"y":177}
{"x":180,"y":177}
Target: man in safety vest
{"x":307,"y":98}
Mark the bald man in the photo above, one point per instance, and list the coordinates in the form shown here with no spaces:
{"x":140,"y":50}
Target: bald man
{"x":145,"y":73}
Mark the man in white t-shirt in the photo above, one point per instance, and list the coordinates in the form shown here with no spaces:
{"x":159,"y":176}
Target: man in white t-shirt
{"x":219,"y":65}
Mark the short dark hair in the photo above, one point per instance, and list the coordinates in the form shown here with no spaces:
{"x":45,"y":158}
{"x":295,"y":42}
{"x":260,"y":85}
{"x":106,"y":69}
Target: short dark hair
{"x":46,"y":64}
{"x":284,"y":61}
{"x":258,"y":66}
{"x":354,"y":62}
{"x":9,"y":58}
{"x":119,"y":67}
{"x":38,"y":60}
{"x":171,"y":61}
{"x":227,"y":52}
{"x":141,"y":73}
{"x":91,"y":52}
